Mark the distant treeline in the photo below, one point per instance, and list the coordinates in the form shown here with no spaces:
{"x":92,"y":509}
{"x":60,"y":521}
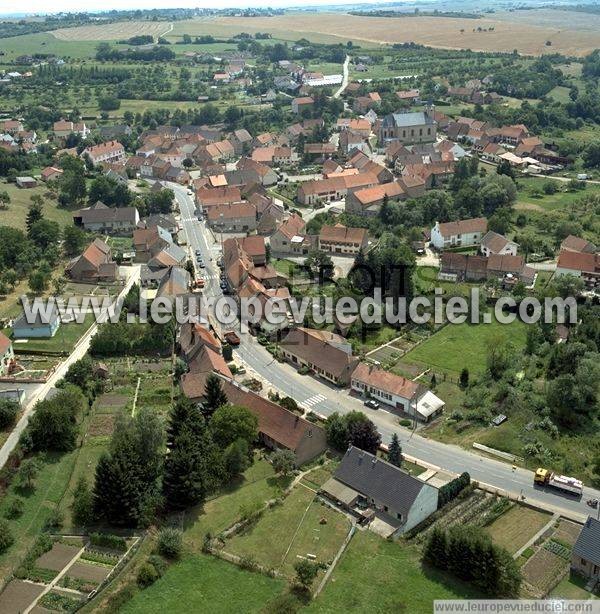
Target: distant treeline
{"x":9,"y":29}
{"x":416,"y":13}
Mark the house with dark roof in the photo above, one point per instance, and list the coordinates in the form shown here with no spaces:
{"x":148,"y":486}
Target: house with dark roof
{"x":370,"y":488}
{"x":408,"y":128}
{"x":585,"y":557}
{"x":103,"y":219}
{"x":577,"y":244}
{"x":279,"y":428}
{"x":326,"y":354}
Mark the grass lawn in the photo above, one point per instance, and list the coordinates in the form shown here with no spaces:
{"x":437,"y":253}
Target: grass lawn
{"x":50,"y":486}
{"x":560,"y":94}
{"x":375,"y":575}
{"x":258,"y":485}
{"x":20,"y":200}
{"x":64,"y":340}
{"x":516,"y":527}
{"x":464,"y":345}
{"x":201,"y":583}
{"x":299,"y":527}
{"x":548,"y":202}
{"x":572,"y":587}
{"x":44,"y":42}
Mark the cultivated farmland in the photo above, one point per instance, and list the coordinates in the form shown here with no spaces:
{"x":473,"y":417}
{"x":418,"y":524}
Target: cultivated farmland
{"x":113,"y":31}
{"x":444,"y":32}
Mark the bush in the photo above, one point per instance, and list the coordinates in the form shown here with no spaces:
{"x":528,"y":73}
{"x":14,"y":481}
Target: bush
{"x":147,"y":575}
{"x":106,"y":540}
{"x":55,"y":520}
{"x":158,"y":563}
{"x":405,"y":422}
{"x":15,"y":508}
{"x":452,"y":489}
{"x":6,"y":536}
{"x":8,"y":412}
{"x":170,"y":543}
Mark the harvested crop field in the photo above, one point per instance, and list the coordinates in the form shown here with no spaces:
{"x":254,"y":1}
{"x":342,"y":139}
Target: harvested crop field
{"x":112,"y":31}
{"x":444,"y":32}
{"x":18,"y":595}
{"x":57,"y":558}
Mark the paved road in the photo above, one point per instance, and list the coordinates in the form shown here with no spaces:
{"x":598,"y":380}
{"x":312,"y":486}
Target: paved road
{"x":325,"y":399}
{"x":78,"y":352}
{"x":344,"y":85}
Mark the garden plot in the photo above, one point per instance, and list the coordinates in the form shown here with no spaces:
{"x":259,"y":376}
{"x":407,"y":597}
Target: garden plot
{"x":18,"y":595}
{"x":386,"y":355}
{"x":90,"y":572}
{"x":542,"y":572}
{"x":516,"y":527}
{"x":56,"y":558}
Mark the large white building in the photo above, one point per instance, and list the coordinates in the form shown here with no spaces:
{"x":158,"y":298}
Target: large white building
{"x":465,"y":233}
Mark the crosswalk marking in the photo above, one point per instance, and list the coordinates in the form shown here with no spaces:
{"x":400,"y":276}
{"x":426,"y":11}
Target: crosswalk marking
{"x":314,"y":400}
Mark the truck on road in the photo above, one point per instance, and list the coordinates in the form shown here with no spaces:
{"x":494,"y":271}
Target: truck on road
{"x":545,"y":477}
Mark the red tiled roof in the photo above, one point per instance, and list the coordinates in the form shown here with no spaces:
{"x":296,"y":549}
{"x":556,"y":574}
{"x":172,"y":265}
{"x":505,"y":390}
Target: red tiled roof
{"x":5,"y":343}
{"x":385,"y":381}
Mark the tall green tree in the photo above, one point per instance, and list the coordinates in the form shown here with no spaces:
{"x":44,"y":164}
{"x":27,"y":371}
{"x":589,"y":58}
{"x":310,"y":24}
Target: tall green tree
{"x":395,"y":451}
{"x":214,"y":395}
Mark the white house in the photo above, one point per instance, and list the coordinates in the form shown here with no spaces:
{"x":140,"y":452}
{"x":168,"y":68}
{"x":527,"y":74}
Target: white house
{"x":369,"y":486}
{"x":464,"y":233}
{"x":7,"y":354}
{"x":494,"y":243}
{"x":396,"y":391}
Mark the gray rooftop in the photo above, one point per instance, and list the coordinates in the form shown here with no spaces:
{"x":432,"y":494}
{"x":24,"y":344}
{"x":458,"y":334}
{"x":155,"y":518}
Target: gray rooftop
{"x":415,"y":118}
{"x":380,"y":480}
{"x":587,"y":545}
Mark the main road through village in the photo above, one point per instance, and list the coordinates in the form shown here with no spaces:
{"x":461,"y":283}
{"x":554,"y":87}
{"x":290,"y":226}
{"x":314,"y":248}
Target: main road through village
{"x":325,"y":399}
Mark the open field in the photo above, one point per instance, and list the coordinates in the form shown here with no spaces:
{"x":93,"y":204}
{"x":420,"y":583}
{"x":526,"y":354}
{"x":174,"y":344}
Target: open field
{"x":464,"y":345}
{"x":391,"y":579}
{"x":516,"y":527}
{"x":20,"y":199}
{"x":199,"y":580}
{"x":113,"y":31}
{"x":444,"y":32}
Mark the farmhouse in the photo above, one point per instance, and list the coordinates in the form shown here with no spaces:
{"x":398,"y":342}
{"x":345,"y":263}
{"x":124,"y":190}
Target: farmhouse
{"x":333,"y":188}
{"x":299,"y":104}
{"x":396,"y":391}
{"x":63,"y":128}
{"x":51,"y":173}
{"x":278,"y":427}
{"x":95,"y":264}
{"x":368,"y":201}
{"x":326,"y":354}
{"x":235,"y":217}
{"x":205,"y":363}
{"x":585,"y":558}
{"x":7,"y":354}
{"x":494,"y":243}
{"x":193,"y":337}
{"x":580,"y":264}
{"x":289,"y":238}
{"x":111,"y":151}
{"x":464,"y":233}
{"x":339,"y":239}
{"x":100,"y":218}
{"x":370,"y":487}
{"x":408,"y":128}
{"x":577,"y":244}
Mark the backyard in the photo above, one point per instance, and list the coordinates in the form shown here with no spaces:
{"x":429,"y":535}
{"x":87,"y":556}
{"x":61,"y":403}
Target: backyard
{"x":391,"y":578}
{"x":458,"y":346}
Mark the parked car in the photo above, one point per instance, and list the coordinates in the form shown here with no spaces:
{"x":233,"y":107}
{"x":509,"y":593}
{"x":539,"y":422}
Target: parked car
{"x":198,"y":253}
{"x":371,"y":404}
{"x":223,"y":284}
{"x":231,"y":338}
{"x":199,"y":283}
